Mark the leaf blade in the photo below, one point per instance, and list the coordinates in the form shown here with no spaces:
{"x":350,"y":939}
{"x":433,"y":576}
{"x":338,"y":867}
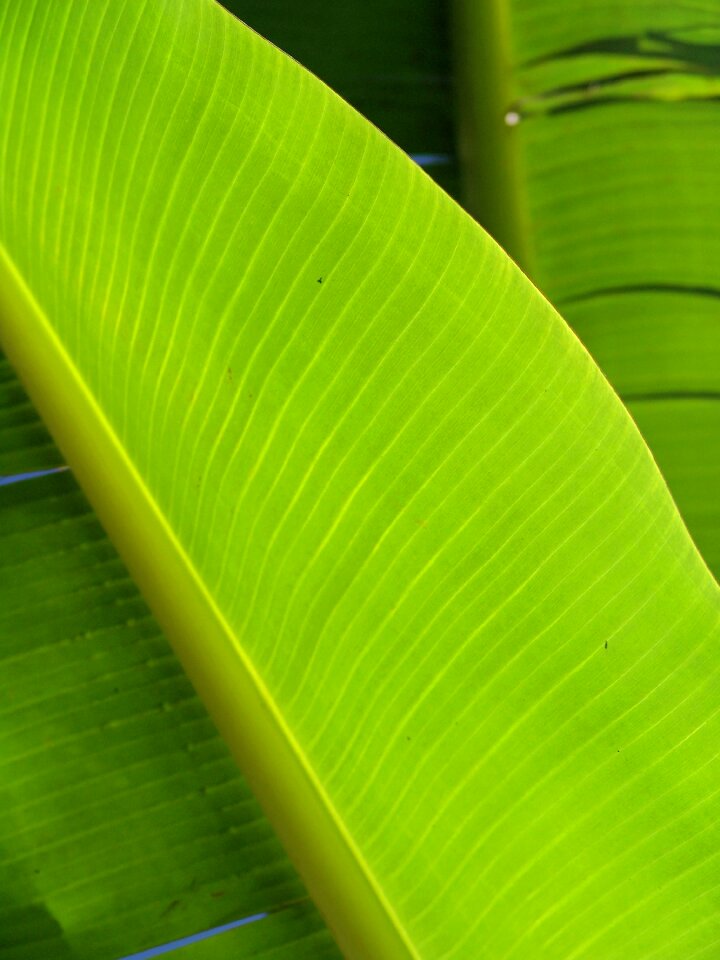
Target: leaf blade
{"x":419,"y":502}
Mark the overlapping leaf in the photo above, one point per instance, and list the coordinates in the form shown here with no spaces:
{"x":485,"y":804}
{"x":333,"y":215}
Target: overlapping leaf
{"x":608,"y":118}
{"x":391,"y":61}
{"x":124,"y":821}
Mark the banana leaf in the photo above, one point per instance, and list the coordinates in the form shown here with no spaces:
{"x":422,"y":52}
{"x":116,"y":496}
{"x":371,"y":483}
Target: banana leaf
{"x":125,"y":823}
{"x":391,"y":61}
{"x":589,"y":133}
{"x":407,"y":542}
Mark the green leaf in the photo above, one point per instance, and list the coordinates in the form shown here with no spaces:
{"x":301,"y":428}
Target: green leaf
{"x":125,"y":822}
{"x":683,"y":434}
{"x":602,"y":119}
{"x":407,"y":542}
{"x":391,"y":61}
{"x":24,"y":442}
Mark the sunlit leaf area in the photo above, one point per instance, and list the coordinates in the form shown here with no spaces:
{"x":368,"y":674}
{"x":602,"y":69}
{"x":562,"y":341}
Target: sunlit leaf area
{"x":359,"y":480}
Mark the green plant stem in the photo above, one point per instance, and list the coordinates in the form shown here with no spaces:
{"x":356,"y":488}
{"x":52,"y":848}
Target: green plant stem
{"x":487,"y":134}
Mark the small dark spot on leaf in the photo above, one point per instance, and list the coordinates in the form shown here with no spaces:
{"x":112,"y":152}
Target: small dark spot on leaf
{"x":229,"y":375}
{"x":320,"y":279}
{"x":170,"y":907}
{"x":606,"y":644}
{"x":408,"y":738}
{"x":36,"y":870}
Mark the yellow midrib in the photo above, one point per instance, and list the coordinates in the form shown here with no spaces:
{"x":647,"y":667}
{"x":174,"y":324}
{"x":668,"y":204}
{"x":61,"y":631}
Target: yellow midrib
{"x":325,"y":853}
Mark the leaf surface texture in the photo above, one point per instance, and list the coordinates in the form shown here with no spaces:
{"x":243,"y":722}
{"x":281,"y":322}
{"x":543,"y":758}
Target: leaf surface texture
{"x":403,"y":535}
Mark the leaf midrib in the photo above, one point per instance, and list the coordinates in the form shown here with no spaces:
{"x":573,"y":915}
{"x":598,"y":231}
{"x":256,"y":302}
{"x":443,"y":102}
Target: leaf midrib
{"x":112,"y":483}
